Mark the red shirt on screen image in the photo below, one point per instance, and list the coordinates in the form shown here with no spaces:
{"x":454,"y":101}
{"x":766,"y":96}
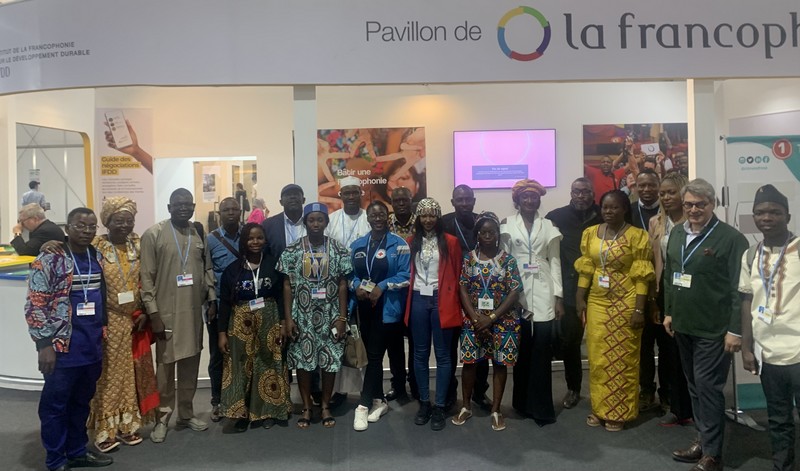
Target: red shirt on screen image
{"x":603,"y":183}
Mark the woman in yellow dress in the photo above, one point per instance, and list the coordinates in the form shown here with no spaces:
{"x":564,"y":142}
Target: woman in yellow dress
{"x":614,"y":269}
{"x":126,"y":395}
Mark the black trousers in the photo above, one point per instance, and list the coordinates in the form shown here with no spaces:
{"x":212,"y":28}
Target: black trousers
{"x":706,"y":366}
{"x":396,"y":349}
{"x":782,"y":388}
{"x":481,"y":372}
{"x":533,"y":372}
{"x":654,"y":334}
{"x":680,"y":403}
{"x":377,"y":336}
{"x":214,"y":362}
{"x":570,"y":335}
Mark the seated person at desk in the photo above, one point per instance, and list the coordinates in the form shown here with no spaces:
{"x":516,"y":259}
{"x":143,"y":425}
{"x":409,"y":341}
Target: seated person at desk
{"x":41,"y":229}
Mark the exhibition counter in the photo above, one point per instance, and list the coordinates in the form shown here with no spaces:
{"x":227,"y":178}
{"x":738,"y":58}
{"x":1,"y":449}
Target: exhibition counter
{"x":19,"y":368}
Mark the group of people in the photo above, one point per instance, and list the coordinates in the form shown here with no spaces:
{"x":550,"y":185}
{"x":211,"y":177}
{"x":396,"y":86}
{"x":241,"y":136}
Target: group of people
{"x":282,"y":299}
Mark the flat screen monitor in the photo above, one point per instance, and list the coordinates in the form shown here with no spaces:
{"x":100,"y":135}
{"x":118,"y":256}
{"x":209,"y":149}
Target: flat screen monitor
{"x":498,"y":159}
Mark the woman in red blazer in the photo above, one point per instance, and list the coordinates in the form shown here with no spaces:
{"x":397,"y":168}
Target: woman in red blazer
{"x":433,"y":309}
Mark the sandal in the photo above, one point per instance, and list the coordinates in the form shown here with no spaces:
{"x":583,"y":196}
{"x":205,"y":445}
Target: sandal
{"x":106,"y":446}
{"x":304,"y":422}
{"x":613,"y":426}
{"x":461,"y":418}
{"x":329,"y":421}
{"x":130,"y":439}
{"x":498,"y":422}
{"x":593,"y":421}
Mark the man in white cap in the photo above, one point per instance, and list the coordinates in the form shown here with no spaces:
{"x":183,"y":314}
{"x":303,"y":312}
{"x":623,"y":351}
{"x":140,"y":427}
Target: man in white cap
{"x":347,"y":225}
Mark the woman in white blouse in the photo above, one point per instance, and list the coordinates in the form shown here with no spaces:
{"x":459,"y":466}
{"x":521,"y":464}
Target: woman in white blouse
{"x":534,"y":241}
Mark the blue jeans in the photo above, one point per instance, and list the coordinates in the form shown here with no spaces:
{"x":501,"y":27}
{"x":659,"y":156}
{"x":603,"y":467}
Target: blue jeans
{"x":425,"y":326}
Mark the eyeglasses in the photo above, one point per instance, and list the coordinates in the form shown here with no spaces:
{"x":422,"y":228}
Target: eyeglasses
{"x":84,"y":227}
{"x":581,"y":192}
{"x":687,"y":205}
{"x":377,"y":217}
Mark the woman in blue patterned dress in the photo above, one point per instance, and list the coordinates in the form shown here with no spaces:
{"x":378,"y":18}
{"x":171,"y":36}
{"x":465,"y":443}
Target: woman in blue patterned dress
{"x":315,"y":303}
{"x":489,"y":288}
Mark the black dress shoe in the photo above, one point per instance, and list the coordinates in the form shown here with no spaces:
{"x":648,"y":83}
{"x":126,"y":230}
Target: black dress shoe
{"x":708,"y":463}
{"x":571,"y":399}
{"x":337,"y":400}
{"x":689,"y":455}
{"x":483,"y":402}
{"x":91,"y":460}
{"x":394,"y":394}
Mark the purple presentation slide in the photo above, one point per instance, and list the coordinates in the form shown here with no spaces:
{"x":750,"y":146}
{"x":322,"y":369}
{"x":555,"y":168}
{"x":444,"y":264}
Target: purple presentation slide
{"x":497,"y":159}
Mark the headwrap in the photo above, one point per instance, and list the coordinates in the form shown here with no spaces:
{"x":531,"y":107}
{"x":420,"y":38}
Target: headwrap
{"x":770,"y":194}
{"x":486,"y":216}
{"x":114,"y":205}
{"x":350,"y":181}
{"x":315,"y":208}
{"x":526,"y":185}
{"x":429,"y":207}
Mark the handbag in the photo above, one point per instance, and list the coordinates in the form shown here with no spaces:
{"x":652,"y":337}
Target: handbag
{"x":355,"y":353}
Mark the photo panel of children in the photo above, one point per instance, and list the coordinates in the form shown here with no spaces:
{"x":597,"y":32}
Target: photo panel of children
{"x":383,"y":158}
{"x":614,"y":154}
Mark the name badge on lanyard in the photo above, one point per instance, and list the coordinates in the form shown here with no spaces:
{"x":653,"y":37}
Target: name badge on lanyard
{"x":125,"y":297}
{"x":256,"y":304}
{"x":604,"y":281}
{"x":486,"y":303}
{"x":185,"y":280}
{"x":531,"y":268}
{"x":684,"y":280}
{"x":85,"y":309}
{"x":319,"y":293}
{"x":765,"y":315}
{"x":368,"y":285}
{"x":426,"y":290}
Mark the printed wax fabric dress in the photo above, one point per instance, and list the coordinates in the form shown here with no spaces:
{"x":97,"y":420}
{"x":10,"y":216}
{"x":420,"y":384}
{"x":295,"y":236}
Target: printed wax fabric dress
{"x":612,"y":344}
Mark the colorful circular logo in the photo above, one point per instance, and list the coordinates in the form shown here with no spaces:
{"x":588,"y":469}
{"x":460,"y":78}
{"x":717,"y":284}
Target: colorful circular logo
{"x":501,"y":34}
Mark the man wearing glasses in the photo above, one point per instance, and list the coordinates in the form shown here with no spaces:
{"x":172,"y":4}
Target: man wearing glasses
{"x":66,"y":315}
{"x":31,"y":217}
{"x":177,"y":279}
{"x":702,"y":310}
{"x":571,"y":220}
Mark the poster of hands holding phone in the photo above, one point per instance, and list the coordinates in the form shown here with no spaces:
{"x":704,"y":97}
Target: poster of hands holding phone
{"x":123,"y":164}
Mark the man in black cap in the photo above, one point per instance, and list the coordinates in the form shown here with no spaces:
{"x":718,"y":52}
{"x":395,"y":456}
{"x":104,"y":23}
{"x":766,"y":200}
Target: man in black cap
{"x":287,"y":226}
{"x":768,"y":285}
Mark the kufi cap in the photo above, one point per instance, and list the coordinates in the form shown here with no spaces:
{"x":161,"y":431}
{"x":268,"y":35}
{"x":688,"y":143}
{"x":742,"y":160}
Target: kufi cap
{"x":770,"y":194}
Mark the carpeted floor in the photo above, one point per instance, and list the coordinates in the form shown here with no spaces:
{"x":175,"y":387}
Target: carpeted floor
{"x":395,"y":443}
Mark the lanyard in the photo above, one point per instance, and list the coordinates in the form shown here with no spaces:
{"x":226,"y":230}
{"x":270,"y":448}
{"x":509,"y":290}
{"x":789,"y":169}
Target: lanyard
{"x":485,"y":280}
{"x":352,"y":229}
{"x":377,"y":249}
{"x":641,"y":218}
{"x":768,"y":282}
{"x":316,"y":263}
{"x":683,"y":247}
{"x":604,"y":256}
{"x":84,"y":286}
{"x":531,"y":239}
{"x":256,"y":274}
{"x":460,"y":234}
{"x":125,"y":278}
{"x":184,"y":258}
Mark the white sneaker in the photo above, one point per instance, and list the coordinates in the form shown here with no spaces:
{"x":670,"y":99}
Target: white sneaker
{"x":360,"y":422}
{"x":379,"y":409}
